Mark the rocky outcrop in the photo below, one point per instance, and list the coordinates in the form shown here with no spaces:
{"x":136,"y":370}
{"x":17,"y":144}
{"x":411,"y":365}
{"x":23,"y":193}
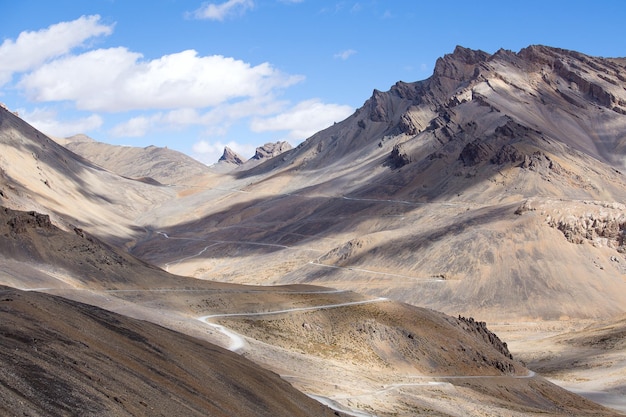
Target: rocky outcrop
{"x":475,"y":152}
{"x":595,"y":79}
{"x":231,"y":157}
{"x":541,"y":163}
{"x":19,"y":222}
{"x":398,"y":157}
{"x":479,"y":328}
{"x":599,"y":227}
{"x":507,"y":154}
{"x":454,"y":69}
{"x":377,"y":107}
{"x":270,"y":150}
{"x":407,"y":125}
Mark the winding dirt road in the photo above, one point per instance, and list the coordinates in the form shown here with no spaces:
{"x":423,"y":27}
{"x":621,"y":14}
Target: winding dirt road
{"x":237,"y":341}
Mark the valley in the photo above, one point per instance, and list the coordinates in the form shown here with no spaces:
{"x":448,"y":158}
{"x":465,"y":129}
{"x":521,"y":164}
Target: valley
{"x":455,"y":247}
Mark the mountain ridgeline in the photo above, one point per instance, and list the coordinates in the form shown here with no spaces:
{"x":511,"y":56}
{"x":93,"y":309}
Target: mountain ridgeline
{"x":501,"y":175}
{"x":375,"y":255}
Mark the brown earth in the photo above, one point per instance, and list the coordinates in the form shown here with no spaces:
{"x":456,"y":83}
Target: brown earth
{"x":493,"y":189}
{"x":342,"y":348}
{"x":61,"y":357}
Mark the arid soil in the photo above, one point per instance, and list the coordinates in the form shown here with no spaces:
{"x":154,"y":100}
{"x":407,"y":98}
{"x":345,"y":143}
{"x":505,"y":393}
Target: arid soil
{"x":493,"y":192}
{"x":355,"y":353}
{"x":64,"y":358}
{"x":582,"y":356}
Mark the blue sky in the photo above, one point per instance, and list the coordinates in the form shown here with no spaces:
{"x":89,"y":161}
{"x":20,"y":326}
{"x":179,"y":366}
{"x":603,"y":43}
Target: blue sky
{"x":197,"y":76}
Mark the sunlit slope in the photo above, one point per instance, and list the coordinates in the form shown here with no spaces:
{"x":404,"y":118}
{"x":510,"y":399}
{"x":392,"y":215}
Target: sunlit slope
{"x":38,"y":174}
{"x":327,"y":343}
{"x":493,"y":187}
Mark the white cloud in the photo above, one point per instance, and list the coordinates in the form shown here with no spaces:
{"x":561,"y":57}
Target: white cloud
{"x":218,"y":120}
{"x":31,"y":49}
{"x":174,"y":92}
{"x":116,"y":79}
{"x":345,"y":54}
{"x":215,"y":121}
{"x":210,"y":152}
{"x":213,"y":11}
{"x":304,"y":119}
{"x":48,"y":122}
{"x":133,"y":128}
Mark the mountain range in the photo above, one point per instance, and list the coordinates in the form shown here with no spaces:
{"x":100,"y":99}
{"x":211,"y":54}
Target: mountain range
{"x":382,"y":251}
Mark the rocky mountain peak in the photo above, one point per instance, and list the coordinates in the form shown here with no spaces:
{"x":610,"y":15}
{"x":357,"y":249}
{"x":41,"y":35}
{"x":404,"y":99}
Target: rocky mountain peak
{"x":231,"y":157}
{"x":461,"y":64}
{"x":270,"y":150}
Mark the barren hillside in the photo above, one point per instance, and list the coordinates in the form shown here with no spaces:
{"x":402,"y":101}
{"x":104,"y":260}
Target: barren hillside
{"x":308,"y":335}
{"x":150,"y":164}
{"x":494,"y":188}
{"x":65,"y":358}
{"x":492,"y":191}
{"x":38,"y":174}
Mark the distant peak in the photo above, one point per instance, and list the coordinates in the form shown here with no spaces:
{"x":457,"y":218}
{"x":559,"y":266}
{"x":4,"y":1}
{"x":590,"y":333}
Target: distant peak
{"x":81,"y":137}
{"x":231,"y":156}
{"x":270,"y":150}
{"x":469,"y":56}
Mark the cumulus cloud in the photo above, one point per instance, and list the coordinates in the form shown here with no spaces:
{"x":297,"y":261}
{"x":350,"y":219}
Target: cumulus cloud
{"x":173,"y":120}
{"x":31,"y":49}
{"x":47,"y":121}
{"x":215,"y":121}
{"x":135,"y":127}
{"x":343,"y":55}
{"x":304,"y":119}
{"x":182,"y":90}
{"x":116,"y":79}
{"x":221,"y":11}
{"x":210,"y":152}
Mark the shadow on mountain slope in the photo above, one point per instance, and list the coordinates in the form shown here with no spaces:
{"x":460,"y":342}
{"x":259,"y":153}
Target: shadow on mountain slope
{"x":60,"y":357}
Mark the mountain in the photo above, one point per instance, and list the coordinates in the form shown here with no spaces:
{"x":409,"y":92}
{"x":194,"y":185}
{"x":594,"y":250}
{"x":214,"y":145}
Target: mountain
{"x":61,"y":357}
{"x":262,"y":153}
{"x":270,"y":150}
{"x":38,"y":174}
{"x":491,"y":191}
{"x":152,"y":163}
{"x":494,"y":188}
{"x":231,"y":157}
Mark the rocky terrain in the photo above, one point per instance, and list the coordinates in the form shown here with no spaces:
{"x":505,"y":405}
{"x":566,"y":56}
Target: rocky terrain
{"x":231,"y":157}
{"x":65,"y":358}
{"x":308,"y":335}
{"x":492,"y":191}
{"x":426,"y":189}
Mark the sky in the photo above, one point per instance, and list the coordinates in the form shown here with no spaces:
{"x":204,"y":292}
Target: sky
{"x":197,"y":76}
